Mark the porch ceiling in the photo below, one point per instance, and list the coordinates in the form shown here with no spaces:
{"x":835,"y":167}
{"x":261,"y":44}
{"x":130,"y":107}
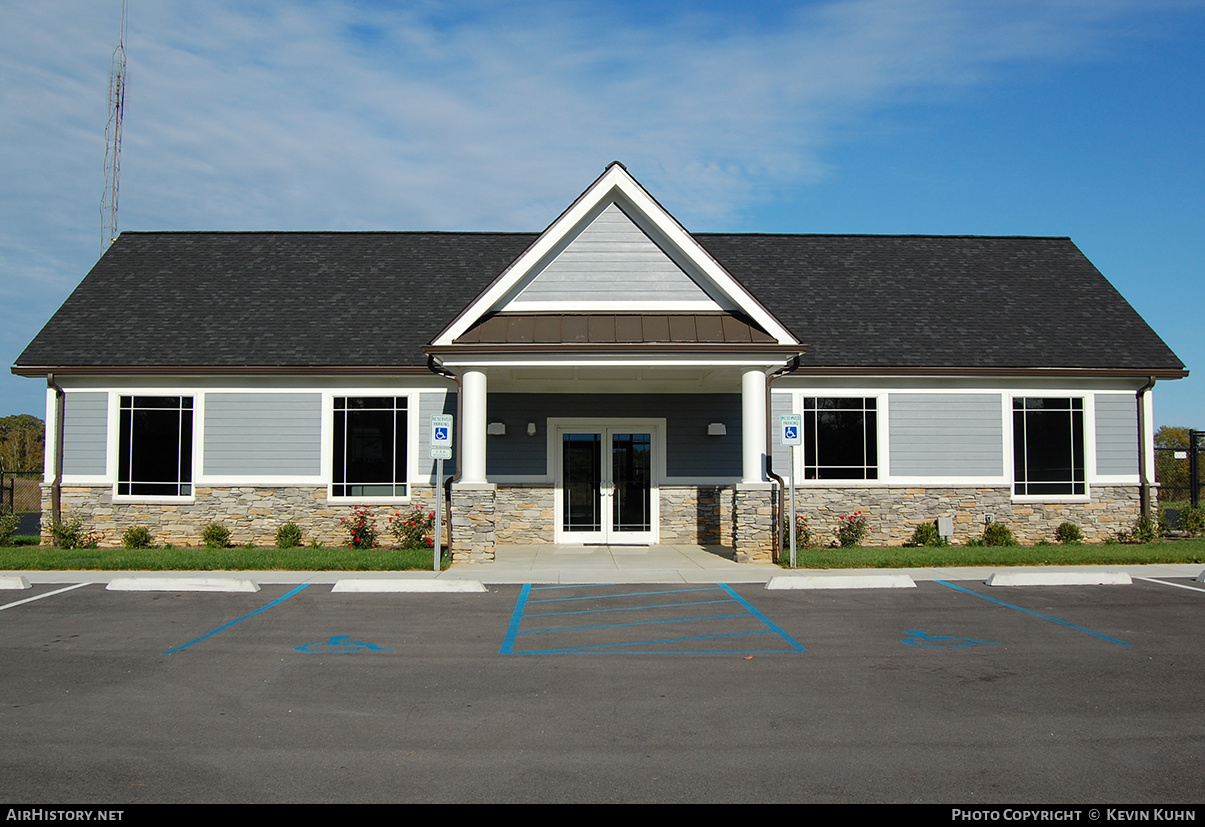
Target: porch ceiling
{"x":615,"y":379}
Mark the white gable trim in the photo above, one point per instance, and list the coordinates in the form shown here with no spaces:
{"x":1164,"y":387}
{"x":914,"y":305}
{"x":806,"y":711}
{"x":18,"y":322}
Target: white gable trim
{"x":616,"y":185}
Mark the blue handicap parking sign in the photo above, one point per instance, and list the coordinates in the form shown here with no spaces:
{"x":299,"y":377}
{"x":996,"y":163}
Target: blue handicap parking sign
{"x":791,"y":432}
{"x":441,"y":434}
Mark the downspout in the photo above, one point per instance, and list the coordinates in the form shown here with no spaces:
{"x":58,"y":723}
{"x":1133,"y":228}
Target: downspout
{"x":1144,"y":471}
{"x":440,"y":370}
{"x":782,"y":487}
{"x":56,"y":486}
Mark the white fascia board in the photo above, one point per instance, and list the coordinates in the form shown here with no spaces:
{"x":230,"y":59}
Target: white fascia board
{"x":609,"y":360}
{"x":619,"y":306}
{"x":615,"y":181}
{"x":1028,"y":385}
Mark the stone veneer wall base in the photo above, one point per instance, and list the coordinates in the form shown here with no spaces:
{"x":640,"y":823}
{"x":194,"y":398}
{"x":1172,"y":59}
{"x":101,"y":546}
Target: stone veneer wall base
{"x":738,"y":517}
{"x":895,"y":512}
{"x":474,"y":519}
{"x":251,"y":513}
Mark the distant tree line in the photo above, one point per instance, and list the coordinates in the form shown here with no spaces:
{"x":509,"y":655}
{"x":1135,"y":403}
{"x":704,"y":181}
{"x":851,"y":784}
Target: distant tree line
{"x":22,"y":442}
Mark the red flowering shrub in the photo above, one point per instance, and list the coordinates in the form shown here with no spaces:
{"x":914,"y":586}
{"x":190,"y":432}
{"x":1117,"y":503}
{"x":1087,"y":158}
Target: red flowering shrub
{"x":360,"y":528}
{"x":410,"y":530}
{"x":852,"y":530}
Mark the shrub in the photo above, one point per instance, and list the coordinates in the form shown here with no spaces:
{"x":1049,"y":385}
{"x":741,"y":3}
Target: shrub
{"x":1192,"y":520}
{"x":8,"y":525}
{"x":998,"y":534}
{"x":1146,"y":529}
{"x":1068,"y":534}
{"x":852,"y":530}
{"x":926,"y":534}
{"x":71,"y":534}
{"x":215,"y":535}
{"x":137,"y":536}
{"x":410,"y":530}
{"x":360,"y":528}
{"x":288,"y":536}
{"x":803,"y":533}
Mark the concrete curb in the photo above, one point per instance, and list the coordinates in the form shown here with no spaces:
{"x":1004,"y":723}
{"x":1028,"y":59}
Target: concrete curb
{"x":415,"y":586}
{"x":841,"y":581}
{"x":18,"y":582}
{"x":1060,"y":578}
{"x":182,"y":584}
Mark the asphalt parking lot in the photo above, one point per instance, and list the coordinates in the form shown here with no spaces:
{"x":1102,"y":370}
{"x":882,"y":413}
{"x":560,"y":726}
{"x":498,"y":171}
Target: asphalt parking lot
{"x":950,"y":692}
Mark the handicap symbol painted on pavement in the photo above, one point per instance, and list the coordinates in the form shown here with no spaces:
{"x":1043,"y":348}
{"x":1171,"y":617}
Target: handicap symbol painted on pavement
{"x":339,"y":644}
{"x":920,"y":638}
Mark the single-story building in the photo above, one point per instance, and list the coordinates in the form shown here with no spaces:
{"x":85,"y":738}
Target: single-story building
{"x":614,"y":379}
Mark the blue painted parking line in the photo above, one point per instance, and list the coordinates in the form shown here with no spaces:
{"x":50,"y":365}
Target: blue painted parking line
{"x":1035,"y":614}
{"x":648,"y":601}
{"x":226,"y":626}
{"x":622,"y":594}
{"x":918,"y":637}
{"x":608,"y":648}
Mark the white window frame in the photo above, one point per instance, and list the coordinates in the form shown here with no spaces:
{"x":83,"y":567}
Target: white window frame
{"x":411,"y":437}
{"x":1087,"y":446}
{"x":113,"y":464}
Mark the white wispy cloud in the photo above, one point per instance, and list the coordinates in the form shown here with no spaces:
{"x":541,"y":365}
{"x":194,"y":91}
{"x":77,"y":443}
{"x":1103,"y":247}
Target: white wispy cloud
{"x":460,"y":116}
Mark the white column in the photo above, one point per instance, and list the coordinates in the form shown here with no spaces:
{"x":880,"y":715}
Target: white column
{"x":753,"y":426}
{"x":472,"y":430}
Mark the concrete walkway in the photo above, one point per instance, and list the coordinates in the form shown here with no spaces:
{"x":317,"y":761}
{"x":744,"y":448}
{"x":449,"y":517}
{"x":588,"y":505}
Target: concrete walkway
{"x":606,"y":564}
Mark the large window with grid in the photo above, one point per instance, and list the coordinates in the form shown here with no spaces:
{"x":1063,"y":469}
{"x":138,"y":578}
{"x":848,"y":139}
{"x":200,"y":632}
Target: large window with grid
{"x":369,"y":449}
{"x":840,"y":438}
{"x":1048,"y":446}
{"x":154,"y":444}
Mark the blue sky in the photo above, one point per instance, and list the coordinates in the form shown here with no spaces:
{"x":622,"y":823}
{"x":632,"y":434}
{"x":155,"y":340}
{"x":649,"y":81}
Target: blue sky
{"x":1084,"y":119}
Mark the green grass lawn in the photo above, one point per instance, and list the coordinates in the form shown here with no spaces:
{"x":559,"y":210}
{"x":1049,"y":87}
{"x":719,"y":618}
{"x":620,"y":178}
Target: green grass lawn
{"x":44,"y":558}
{"x":1178,"y":551}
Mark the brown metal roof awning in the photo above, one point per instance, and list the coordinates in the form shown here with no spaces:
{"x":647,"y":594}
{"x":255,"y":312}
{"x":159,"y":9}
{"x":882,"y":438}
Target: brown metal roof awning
{"x":615,"y":329}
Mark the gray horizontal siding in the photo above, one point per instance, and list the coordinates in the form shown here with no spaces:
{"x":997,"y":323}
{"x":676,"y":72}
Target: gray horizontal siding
{"x":611,"y":259}
{"x":1116,"y":434}
{"x":85,"y":433}
{"x":248,"y":434}
{"x":690,"y":452}
{"x":429,"y":404}
{"x":945,"y":435}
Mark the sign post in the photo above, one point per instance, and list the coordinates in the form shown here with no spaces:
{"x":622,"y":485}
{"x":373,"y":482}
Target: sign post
{"x":441,"y":449}
{"x":790,"y":433}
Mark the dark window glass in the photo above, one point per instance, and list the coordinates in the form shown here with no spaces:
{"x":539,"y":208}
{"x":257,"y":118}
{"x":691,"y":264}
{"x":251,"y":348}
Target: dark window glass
{"x":155,"y":446}
{"x":369,"y":446}
{"x":840,"y":438}
{"x":581,"y":458}
{"x":631,"y":474}
{"x":1048,"y":446}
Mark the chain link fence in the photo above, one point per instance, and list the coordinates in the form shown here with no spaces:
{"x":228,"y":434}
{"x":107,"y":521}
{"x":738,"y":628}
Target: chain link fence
{"x":1178,"y":470}
{"x":21,"y":494}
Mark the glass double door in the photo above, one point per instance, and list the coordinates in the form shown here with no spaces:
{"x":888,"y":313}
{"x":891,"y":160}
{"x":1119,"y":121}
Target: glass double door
{"x":606,"y":490}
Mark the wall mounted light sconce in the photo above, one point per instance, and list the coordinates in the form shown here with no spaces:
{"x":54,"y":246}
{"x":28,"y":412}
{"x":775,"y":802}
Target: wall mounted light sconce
{"x":717,"y":429}
{"x":496,"y":429}
{"x":531,"y":429}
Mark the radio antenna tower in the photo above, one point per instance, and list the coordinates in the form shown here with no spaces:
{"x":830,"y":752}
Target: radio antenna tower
{"x":117,"y":99}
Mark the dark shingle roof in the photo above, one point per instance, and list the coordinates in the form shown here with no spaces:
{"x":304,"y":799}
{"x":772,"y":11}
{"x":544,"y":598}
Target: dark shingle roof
{"x":942,"y":301}
{"x":285,"y":299}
